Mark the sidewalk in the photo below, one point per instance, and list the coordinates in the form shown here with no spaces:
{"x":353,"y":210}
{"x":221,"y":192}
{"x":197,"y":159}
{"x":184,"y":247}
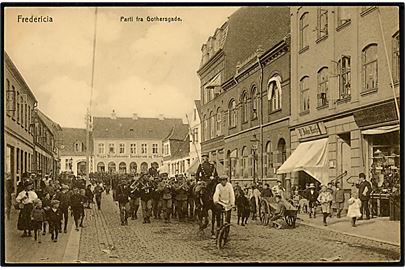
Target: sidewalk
{"x":25,"y":250}
{"x":379,"y":229}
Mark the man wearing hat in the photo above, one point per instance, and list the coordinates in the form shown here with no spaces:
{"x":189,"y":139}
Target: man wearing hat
{"x":312,"y":196}
{"x":206,"y":170}
{"x":224,"y":200}
{"x":181,"y":189}
{"x":64,"y":198}
{"x":54,"y":219}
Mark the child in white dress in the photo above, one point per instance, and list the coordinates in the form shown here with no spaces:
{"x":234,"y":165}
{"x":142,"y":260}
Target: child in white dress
{"x":354,"y":208}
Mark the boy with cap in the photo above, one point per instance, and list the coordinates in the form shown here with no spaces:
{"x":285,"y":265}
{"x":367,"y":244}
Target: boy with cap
{"x":54,"y":219}
{"x":312,"y":196}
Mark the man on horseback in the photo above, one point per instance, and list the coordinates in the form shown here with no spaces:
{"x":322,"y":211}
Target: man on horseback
{"x":206,"y":171}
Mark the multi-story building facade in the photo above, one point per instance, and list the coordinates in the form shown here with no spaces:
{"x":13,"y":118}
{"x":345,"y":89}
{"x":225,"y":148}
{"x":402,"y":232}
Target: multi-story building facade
{"x":73,"y":151}
{"x":245,"y":93}
{"x":130,"y":145}
{"x":194,"y":121}
{"x":343,"y":104}
{"x":46,"y":156}
{"x":19,"y":105}
{"x":176,"y":151}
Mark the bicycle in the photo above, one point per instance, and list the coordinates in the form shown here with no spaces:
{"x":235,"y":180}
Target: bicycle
{"x":222,"y":235}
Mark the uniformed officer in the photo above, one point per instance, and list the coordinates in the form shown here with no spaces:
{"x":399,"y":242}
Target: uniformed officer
{"x":181,"y":189}
{"x":134,"y":199}
{"x":146,"y":199}
{"x":206,"y":171}
{"x":165,"y":189}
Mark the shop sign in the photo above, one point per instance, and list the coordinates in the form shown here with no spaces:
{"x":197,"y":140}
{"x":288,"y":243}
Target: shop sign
{"x":312,"y":130}
{"x":376,"y":114}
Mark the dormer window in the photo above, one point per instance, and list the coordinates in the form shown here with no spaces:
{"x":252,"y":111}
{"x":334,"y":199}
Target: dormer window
{"x":78,"y":146}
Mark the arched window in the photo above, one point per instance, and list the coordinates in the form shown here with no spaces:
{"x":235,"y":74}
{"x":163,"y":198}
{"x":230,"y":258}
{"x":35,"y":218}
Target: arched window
{"x":282,"y":154}
{"x":304,"y":89}
{"x":245,"y":157}
{"x":369,"y":68}
{"x":112,"y":167}
{"x":219,"y":120}
{"x":122,"y":167}
{"x":232,"y":113}
{"x":101,"y":167}
{"x":212,"y":125}
{"x":133,"y":167}
{"x":244,"y":101}
{"x":144,"y":167}
{"x":323,"y":84}
{"x":268,"y":169}
{"x":304,"y":31}
{"x":255,"y":102}
{"x":274,"y":93}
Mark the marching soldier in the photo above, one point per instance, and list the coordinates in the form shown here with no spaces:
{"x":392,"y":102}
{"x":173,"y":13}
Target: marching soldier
{"x":190,"y":199}
{"x":146,"y":199}
{"x":134,"y":196}
{"x":206,"y":171}
{"x":181,"y":189}
{"x":156,"y":199}
{"x":165,"y":189}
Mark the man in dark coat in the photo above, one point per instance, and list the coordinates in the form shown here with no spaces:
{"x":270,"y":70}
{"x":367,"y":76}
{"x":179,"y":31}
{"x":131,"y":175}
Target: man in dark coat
{"x":64,"y":198}
{"x":206,"y":170}
{"x":146,"y":198}
{"x":311,"y":195}
{"x":364,"y":195}
{"x":122,"y":196}
{"x":77,"y":205}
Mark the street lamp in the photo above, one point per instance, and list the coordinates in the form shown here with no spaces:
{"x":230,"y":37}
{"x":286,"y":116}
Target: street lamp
{"x":255,"y":143}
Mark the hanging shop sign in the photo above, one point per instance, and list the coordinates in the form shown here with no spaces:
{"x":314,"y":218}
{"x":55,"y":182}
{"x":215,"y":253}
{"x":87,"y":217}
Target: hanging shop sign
{"x":376,"y":114}
{"x":312,"y":130}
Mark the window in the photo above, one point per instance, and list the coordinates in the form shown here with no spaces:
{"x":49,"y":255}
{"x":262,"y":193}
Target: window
{"x":111,"y":166}
{"x":154,"y":148}
{"x":281,"y":149}
{"x":322,"y":29}
{"x":133,"y":167}
{"x":212,"y":125}
{"x":219,"y":119}
{"x":111,"y":149}
{"x":100,"y":167}
{"x":344,"y":77}
{"x":304,"y":30}
{"x":21,"y":110}
{"x":205,"y":130}
{"x":101,"y":148}
{"x":18,"y":107}
{"x":244,"y":100}
{"x":304,"y":89}
{"x":144,"y":148}
{"x":122,"y":148}
{"x":133,"y":148}
{"x":67,"y":164}
{"x":342,"y":15}
{"x":232,"y":113}
{"x":323,"y":78}
{"x":196,"y":135}
{"x":395,"y":58}
{"x":268,"y":169}
{"x":255,"y":102}
{"x":245,"y":157}
{"x":77,"y":145}
{"x":10,"y":99}
{"x":29,"y":119}
{"x":122,"y":167}
{"x":369,"y":70}
{"x":274,"y":93}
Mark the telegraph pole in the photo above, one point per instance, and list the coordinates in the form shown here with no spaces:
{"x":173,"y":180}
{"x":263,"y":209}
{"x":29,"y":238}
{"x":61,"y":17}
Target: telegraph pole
{"x":87,"y":147}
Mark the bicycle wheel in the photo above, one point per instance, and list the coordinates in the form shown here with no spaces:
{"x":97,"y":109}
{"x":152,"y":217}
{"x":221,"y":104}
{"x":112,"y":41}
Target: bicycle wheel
{"x":223,"y":236}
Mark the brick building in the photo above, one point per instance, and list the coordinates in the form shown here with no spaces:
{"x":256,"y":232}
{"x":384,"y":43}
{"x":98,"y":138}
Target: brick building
{"x":245,"y":93}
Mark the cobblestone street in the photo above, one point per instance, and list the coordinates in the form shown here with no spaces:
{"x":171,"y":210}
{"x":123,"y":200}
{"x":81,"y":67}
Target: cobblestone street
{"x":104,"y":240}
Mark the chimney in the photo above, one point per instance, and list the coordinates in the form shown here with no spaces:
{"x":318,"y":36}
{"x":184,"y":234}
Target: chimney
{"x":161,"y":117}
{"x":113,"y":115}
{"x":134,"y":116}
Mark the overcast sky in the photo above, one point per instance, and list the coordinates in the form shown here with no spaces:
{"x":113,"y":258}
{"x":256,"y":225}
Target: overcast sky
{"x":141,"y":67}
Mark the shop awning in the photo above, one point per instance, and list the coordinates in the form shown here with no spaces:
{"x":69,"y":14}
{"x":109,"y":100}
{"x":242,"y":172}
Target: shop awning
{"x":193,"y":167}
{"x":380,"y":130}
{"x":311,"y":157}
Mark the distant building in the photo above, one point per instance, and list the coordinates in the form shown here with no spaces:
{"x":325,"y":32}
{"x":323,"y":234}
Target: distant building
{"x":19,"y":105}
{"x":72,"y":147}
{"x":176,"y":151}
{"x":343,"y":105}
{"x":195,"y":137}
{"x":130,"y":144}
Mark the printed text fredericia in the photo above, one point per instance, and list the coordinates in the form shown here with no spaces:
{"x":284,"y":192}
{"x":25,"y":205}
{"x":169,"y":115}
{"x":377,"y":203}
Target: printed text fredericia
{"x":34,"y":19}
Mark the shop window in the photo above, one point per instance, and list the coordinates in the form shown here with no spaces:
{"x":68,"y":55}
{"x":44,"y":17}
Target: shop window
{"x":304,"y":94}
{"x":395,"y":58}
{"x":369,"y":68}
{"x":133,"y":167}
{"x":304,"y":31}
{"x":122,"y":167}
{"x":322,"y":18}
{"x":343,"y":15}
{"x":274,"y":93}
{"x":100,"y":167}
{"x":345,"y":79}
{"x":323,"y":81}
{"x":244,"y":104}
{"x":255,"y":102}
{"x":112,"y":167}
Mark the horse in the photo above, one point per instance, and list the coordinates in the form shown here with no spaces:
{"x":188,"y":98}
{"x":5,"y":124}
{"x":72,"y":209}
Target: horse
{"x":203,"y":193}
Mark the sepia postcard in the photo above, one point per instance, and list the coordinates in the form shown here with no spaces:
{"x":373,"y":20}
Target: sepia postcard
{"x":195,"y":134}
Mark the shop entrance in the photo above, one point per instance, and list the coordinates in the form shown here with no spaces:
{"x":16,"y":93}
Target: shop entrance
{"x":304,"y":179}
{"x":343,"y":161}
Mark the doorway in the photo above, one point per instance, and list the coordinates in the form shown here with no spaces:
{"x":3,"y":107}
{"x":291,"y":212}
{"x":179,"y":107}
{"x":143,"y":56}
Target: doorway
{"x":343,"y":162}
